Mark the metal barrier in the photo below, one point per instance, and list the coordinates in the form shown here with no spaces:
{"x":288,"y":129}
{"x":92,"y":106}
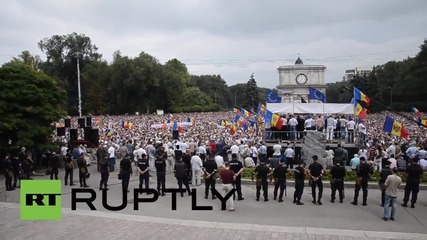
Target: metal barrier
{"x":342,"y":136}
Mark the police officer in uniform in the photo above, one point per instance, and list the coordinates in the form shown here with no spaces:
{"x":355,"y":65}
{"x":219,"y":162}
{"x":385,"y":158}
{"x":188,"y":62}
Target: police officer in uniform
{"x":414,"y":172}
{"x":279,"y":175}
{"x":299,"y":183}
{"x":315,"y":171}
{"x":181,"y":174}
{"x":363,"y":171}
{"x":104,"y":168}
{"x":143,"y":168}
{"x":262,"y":172}
{"x":237,"y":167}
{"x":337,"y":182}
{"x":210,"y":167}
{"x":160,"y":164}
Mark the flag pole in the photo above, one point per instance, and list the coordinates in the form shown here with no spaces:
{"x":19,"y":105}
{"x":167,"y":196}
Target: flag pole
{"x":293,"y":102}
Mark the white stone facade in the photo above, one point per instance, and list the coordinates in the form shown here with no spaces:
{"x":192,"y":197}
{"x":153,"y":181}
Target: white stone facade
{"x":295,"y":81}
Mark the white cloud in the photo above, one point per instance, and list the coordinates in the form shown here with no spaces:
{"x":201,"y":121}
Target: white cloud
{"x":231,"y":38}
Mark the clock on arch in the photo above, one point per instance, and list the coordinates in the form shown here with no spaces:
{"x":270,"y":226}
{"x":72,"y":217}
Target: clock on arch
{"x":301,"y":78}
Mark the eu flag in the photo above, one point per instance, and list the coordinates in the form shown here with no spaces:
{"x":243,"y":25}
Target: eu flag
{"x":272,"y":97}
{"x":317,"y":95}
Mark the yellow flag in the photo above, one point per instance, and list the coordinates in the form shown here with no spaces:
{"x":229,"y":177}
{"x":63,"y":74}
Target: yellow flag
{"x":274,"y":119}
{"x":397,"y":129}
{"x":358,"y":109}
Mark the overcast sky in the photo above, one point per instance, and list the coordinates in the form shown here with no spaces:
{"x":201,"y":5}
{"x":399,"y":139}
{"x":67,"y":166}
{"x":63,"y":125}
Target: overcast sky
{"x":229,"y":37}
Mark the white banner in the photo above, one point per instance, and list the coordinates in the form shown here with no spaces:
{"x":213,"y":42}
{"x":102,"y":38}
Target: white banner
{"x":311,"y":108}
{"x":169,"y":125}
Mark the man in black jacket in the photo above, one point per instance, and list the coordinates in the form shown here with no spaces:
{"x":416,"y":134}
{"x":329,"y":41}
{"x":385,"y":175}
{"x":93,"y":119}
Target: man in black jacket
{"x":262,"y":173}
{"x":237,"y":167}
{"x":181,"y":174}
{"x":299,"y":183}
{"x":315,"y":171}
{"x":363,"y":171}
{"x":337,"y":182}
{"x":279,"y":175}
{"x":160,"y":164}
{"x":414,"y":172}
{"x":104,"y":168}
{"x":8,"y":173}
{"x":210,"y":168}
{"x":54,"y":165}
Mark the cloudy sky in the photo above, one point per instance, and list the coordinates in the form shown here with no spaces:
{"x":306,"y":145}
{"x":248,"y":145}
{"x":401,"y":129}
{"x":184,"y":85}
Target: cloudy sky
{"x":229,"y":37}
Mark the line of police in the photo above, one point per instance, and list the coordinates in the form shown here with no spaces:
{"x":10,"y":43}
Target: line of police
{"x":262,"y":173}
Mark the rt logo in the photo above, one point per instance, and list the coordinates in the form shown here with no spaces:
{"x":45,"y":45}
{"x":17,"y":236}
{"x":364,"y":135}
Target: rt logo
{"x":40,"y":199}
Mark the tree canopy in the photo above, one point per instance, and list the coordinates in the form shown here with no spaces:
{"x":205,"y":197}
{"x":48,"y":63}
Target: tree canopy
{"x":29,"y":102}
{"x":395,"y":84}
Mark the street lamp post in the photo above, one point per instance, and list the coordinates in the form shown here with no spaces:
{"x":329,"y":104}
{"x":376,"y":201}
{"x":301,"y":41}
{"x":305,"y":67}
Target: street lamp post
{"x":235,"y":98}
{"x":77,"y":54}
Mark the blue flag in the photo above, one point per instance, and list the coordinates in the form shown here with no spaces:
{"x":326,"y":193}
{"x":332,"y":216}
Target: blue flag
{"x":268,"y":116}
{"x":272,"y":97}
{"x":317,"y":95}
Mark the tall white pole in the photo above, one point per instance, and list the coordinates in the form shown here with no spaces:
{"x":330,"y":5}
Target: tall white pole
{"x":78,"y":84}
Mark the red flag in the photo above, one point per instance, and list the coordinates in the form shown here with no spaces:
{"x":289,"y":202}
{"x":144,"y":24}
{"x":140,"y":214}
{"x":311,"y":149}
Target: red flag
{"x":363,"y":114}
{"x":279,"y":123}
{"x":403,"y":133}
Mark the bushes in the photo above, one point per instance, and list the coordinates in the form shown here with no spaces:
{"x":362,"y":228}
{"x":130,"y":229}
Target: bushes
{"x":350,"y":177}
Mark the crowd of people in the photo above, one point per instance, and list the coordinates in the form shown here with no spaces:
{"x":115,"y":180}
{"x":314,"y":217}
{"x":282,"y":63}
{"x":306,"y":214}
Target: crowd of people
{"x":206,"y":147}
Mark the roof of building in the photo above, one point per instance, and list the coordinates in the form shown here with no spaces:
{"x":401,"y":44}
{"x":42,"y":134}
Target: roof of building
{"x":298,"y":61}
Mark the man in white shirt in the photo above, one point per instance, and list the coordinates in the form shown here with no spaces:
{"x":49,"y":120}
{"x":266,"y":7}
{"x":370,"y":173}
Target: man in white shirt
{"x":293,"y":128}
{"x":235,"y":150}
{"x":111,"y":157}
{"x":307,"y":124}
{"x":362,"y":132}
{"x":343,"y":124}
{"x":393,"y":161}
{"x":219,"y":160}
{"x":350,"y":130}
{"x":290,"y":155}
{"x":196,"y":167}
{"x":202,"y":152}
{"x":423,"y":162}
{"x":254,"y":154}
{"x":277,"y":148}
{"x":391,"y":150}
{"x":249,"y":162}
{"x":330,"y":122}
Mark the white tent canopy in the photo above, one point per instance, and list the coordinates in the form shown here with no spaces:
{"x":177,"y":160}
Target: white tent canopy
{"x":307,"y":108}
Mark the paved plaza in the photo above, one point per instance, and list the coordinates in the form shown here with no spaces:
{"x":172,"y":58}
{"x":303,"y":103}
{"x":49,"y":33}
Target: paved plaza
{"x":251,"y":220}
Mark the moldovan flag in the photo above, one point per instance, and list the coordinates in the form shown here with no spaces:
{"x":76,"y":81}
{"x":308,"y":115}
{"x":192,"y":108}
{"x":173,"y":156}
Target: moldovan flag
{"x":360,"y":96}
{"x":276,"y":121}
{"x":180,"y":129}
{"x":245,"y":112}
{"x":416,"y":111}
{"x":232,"y":129}
{"x":165,"y":125}
{"x":261,"y":109}
{"x":395,"y":128}
{"x":235,"y":110}
{"x":422,"y":122}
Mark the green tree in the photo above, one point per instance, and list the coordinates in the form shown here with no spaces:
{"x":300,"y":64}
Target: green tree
{"x":27,"y":58}
{"x":215,"y":87}
{"x":62,"y":52}
{"x":252,"y":96}
{"x":29,"y":102}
